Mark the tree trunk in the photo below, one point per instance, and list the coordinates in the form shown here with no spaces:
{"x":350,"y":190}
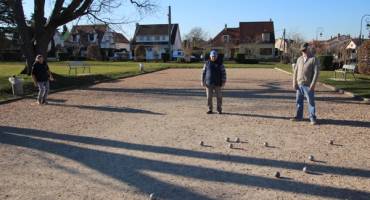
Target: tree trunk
{"x":31,"y":48}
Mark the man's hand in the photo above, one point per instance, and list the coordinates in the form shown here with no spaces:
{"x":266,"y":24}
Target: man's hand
{"x":312,"y":88}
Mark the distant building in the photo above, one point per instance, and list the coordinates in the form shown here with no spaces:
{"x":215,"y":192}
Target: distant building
{"x":109,"y":41}
{"x":153,"y":38}
{"x":253,"y":39}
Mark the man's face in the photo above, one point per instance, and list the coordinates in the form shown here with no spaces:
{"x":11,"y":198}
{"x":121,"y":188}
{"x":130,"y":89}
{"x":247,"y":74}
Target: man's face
{"x":41,"y":59}
{"x":213,"y":58}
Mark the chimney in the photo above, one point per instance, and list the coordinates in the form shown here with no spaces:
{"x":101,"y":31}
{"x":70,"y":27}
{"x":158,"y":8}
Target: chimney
{"x":225,"y":26}
{"x":270,"y":19}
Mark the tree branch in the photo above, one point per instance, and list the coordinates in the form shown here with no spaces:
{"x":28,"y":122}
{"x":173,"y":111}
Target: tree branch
{"x":57,"y":8}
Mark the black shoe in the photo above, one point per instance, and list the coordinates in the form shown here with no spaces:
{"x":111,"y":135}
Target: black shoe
{"x":220,"y":112}
{"x":210,"y":112}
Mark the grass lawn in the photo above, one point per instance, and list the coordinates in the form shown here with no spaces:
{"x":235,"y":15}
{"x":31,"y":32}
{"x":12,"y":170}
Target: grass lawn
{"x":99,"y":71}
{"x":114,"y":70}
{"x":360,"y":86}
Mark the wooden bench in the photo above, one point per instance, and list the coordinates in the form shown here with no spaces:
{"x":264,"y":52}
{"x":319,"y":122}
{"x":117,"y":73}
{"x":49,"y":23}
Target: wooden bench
{"x":74,"y":65}
{"x":345,"y":70}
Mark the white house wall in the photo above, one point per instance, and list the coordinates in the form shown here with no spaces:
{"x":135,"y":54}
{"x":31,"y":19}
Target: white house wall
{"x":123,"y":46}
{"x":178,"y":44}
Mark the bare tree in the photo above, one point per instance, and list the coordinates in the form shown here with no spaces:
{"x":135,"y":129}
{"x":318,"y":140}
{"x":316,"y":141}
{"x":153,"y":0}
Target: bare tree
{"x":197,"y":37}
{"x":296,"y":41}
{"x":36,"y":36}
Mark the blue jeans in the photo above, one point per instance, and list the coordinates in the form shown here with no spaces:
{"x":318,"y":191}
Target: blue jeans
{"x":43,"y":91}
{"x":304,"y":91}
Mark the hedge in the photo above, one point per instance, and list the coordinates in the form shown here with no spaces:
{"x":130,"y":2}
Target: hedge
{"x":326,"y":62}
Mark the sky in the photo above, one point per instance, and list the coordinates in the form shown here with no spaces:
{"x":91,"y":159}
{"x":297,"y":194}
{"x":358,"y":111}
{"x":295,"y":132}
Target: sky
{"x":308,"y":18}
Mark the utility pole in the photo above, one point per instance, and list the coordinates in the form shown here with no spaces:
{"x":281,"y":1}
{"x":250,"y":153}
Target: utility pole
{"x":282,"y":54}
{"x":169,"y":33}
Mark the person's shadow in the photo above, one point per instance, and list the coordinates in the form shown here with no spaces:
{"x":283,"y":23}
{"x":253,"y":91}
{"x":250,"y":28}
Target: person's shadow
{"x":129,"y":169}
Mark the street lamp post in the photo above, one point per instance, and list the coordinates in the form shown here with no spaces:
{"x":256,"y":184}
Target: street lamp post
{"x":320,"y":31}
{"x":362,"y":19}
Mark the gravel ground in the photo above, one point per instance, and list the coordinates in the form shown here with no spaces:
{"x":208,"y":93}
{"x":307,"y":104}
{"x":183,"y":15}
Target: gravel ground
{"x":132,"y":137}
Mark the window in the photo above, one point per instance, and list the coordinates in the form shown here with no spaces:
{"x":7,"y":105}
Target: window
{"x":157,"y":37}
{"x":248,"y":52}
{"x":141,"y":38}
{"x":266,"y":51}
{"x":266,"y":37}
{"x":226,"y":38}
{"x":75,"y":38}
{"x":91,"y":37}
{"x":148,"y":38}
{"x":164,"y":38}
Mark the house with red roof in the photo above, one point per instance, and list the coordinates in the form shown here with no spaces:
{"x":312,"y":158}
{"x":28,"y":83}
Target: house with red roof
{"x":253,"y":39}
{"x":109,"y":41}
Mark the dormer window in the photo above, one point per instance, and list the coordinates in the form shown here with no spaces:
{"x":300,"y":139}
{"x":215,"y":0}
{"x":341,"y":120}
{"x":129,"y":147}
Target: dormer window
{"x":226,"y":38}
{"x":266,"y":37}
{"x":75,"y":38}
{"x":91,"y":37}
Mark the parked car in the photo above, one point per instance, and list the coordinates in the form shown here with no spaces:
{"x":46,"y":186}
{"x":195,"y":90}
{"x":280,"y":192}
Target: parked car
{"x":119,"y":56}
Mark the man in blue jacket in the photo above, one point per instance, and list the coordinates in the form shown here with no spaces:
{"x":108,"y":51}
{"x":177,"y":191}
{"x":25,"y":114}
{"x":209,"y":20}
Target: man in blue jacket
{"x":214,"y":78}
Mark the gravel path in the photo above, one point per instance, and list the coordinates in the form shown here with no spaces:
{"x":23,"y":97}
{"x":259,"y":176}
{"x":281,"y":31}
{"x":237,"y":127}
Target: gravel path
{"x":132,"y":137}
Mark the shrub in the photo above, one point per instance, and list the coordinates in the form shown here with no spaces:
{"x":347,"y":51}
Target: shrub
{"x":364,"y":58}
{"x":11,"y":56}
{"x":180,"y":60}
{"x":140,"y":53}
{"x":326,"y":62}
{"x":63,"y":56}
{"x":364,"y":68}
{"x":165,"y":57}
{"x":251,"y":61}
{"x":93,"y":52}
{"x":240,"y":58}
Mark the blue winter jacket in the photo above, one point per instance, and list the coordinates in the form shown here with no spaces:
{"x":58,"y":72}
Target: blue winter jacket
{"x":214,"y":74}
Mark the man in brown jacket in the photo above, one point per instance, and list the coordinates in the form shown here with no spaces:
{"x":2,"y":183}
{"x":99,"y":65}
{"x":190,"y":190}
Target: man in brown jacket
{"x":305,"y":75}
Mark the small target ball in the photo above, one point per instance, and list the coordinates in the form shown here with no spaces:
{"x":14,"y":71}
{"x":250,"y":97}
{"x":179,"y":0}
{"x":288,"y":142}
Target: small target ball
{"x":305,"y":170}
{"x":152,"y":196}
{"x":311,"y":158}
{"x":277,"y":174}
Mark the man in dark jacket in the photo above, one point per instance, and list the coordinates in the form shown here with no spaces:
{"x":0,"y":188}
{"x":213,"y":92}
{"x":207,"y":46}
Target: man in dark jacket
{"x":214,"y":78}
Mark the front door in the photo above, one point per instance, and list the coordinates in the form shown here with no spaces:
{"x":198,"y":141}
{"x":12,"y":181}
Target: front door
{"x":149,"y":55}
